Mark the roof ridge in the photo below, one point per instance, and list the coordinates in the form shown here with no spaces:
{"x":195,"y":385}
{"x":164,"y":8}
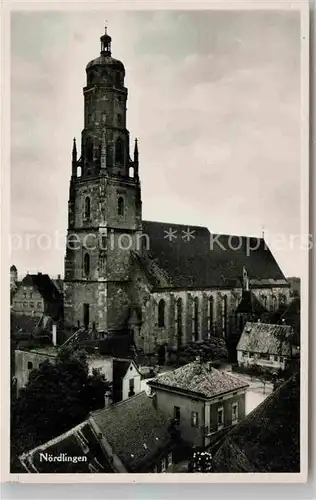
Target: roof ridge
{"x":116,"y":405}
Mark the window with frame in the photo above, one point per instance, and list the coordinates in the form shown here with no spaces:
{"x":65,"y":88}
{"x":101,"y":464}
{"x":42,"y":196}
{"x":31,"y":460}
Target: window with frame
{"x":281,"y":359}
{"x":29,"y":365}
{"x":220,"y":417}
{"x":275,"y":357}
{"x":176,"y":413}
{"x":194,"y":419}
{"x":235,"y":411}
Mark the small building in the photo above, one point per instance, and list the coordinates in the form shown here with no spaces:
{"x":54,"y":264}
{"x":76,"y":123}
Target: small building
{"x":122,"y":373}
{"x":265,"y":345}
{"x":268,"y":439}
{"x":37,"y":295}
{"x":204,"y":401}
{"x":132,"y":436}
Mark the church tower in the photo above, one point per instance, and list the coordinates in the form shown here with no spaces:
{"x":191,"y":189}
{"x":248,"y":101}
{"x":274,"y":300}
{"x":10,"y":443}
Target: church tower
{"x":104,"y":208}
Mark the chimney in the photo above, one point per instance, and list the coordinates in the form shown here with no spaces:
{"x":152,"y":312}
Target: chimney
{"x":107,"y":399}
{"x":54,"y":334}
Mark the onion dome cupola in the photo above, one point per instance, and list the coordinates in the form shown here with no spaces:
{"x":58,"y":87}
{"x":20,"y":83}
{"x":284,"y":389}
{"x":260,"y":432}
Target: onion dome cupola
{"x":105,"y":69}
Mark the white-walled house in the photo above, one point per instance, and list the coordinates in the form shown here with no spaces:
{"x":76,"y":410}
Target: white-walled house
{"x":265,"y":345}
{"x":122,"y":373}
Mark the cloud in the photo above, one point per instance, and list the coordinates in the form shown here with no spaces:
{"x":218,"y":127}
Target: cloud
{"x":214,"y":98}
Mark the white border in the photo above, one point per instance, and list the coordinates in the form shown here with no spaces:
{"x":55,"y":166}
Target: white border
{"x":73,"y":5}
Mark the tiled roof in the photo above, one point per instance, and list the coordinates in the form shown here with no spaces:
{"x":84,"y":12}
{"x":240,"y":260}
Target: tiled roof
{"x":78,"y":442}
{"x":120,"y":367}
{"x":135,"y":429}
{"x":44,"y":285}
{"x":205,"y":260}
{"x":266,"y":339}
{"x":268,"y":439}
{"x":200,"y":379}
{"x":249,"y":304}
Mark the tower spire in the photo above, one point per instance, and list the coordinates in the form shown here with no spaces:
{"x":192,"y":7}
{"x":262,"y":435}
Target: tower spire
{"x":74,"y":158}
{"x":136,"y":159}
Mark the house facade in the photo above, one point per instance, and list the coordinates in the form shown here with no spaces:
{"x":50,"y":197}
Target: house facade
{"x":267,"y":346}
{"x":37,"y":296}
{"x":160,"y":283}
{"x":204,"y":401}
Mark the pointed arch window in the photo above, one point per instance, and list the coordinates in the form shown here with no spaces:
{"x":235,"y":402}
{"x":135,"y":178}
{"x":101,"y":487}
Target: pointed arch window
{"x":161,"y":313}
{"x":179,"y":319}
{"x":87,"y":208}
{"x":119,"y":151}
{"x":86,"y":264}
{"x":120,"y":206}
{"x":195,"y":319}
{"x":210,"y":315}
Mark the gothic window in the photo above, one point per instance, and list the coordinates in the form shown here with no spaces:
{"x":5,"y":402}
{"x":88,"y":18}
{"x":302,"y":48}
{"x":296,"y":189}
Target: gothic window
{"x":179,"y":315}
{"x":86,"y":264}
{"x":120,"y":206}
{"x":119,"y":151}
{"x":195,"y":322}
{"x":87,"y":208}
{"x":210,"y":313}
{"x":89,"y":149}
{"x":161,"y":313}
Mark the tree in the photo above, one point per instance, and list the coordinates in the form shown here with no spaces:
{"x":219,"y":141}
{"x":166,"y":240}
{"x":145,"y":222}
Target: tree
{"x":208,"y":350}
{"x":58,"y":396}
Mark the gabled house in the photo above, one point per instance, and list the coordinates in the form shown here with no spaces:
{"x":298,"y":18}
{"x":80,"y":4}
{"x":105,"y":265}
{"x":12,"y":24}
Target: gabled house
{"x":265,"y":345}
{"x":204,"y":401}
{"x":37,"y":295}
{"x":131,"y":436}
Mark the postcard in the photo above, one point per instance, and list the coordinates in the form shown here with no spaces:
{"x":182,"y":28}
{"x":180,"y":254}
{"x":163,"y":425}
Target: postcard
{"x":158,"y":305}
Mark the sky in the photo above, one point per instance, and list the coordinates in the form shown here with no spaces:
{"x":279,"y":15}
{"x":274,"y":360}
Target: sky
{"x":214,"y":100}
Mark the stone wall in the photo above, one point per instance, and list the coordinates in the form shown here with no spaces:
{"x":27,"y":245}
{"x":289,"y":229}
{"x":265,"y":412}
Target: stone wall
{"x":210,"y":319}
